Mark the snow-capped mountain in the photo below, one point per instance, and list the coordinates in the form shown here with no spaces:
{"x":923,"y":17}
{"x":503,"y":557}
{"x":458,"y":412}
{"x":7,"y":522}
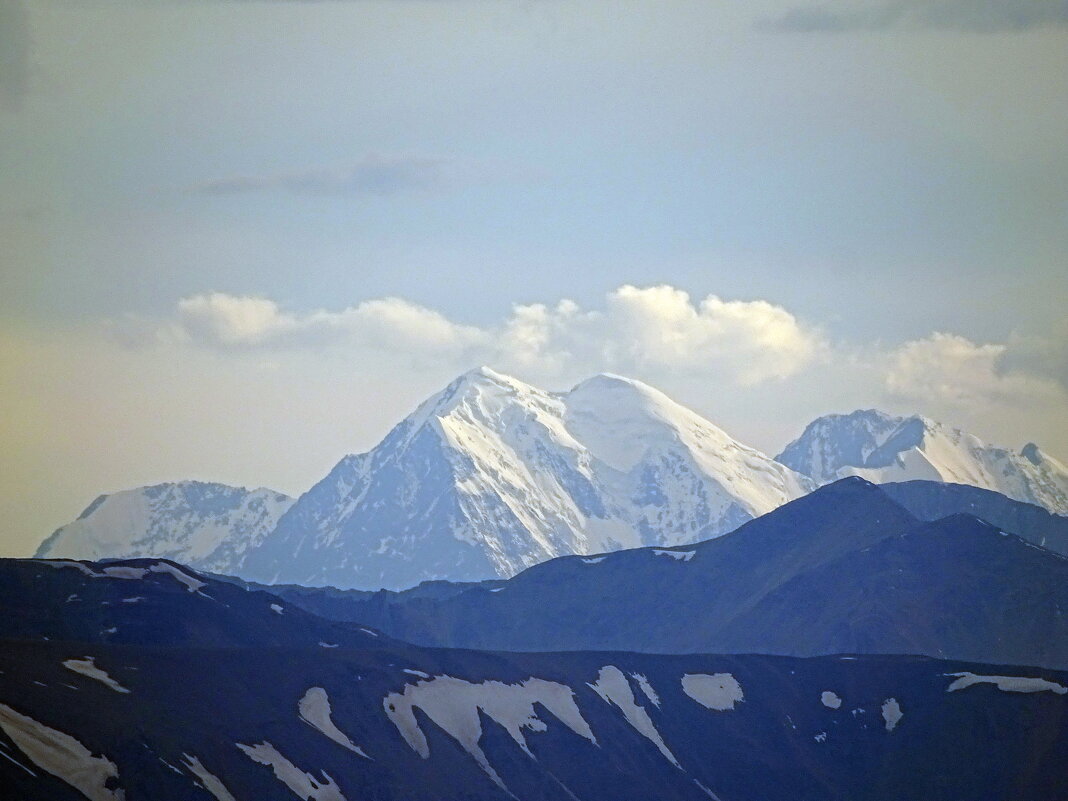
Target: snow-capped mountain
{"x":207,"y":526}
{"x":493,"y":475}
{"x":883,"y":448}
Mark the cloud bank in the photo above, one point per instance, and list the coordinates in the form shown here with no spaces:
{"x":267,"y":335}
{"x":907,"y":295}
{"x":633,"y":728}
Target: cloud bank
{"x":659,"y":332}
{"x":950,"y":369}
{"x":656,"y":329}
{"x":751,"y":365}
{"x":975,"y":16}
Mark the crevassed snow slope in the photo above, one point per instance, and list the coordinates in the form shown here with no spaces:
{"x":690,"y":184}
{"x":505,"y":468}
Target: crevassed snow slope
{"x":883,"y":448}
{"x":492,"y":475}
{"x":204,"y":525}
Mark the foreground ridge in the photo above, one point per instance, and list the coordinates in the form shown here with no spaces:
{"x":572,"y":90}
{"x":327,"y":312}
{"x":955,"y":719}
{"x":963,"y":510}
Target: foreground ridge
{"x":286,"y":704}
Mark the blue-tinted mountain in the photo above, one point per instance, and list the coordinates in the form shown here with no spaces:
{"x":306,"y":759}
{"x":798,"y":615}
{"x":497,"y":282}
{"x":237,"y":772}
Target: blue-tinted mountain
{"x":930,"y":500}
{"x":845,"y":569}
{"x":273,"y":714}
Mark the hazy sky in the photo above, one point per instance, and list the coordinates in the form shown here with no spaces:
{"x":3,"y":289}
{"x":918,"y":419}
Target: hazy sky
{"x":240,"y":239}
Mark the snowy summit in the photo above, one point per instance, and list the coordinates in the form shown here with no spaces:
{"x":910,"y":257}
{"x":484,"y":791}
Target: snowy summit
{"x":492,"y":475}
{"x":883,"y":448}
{"x":204,"y":525}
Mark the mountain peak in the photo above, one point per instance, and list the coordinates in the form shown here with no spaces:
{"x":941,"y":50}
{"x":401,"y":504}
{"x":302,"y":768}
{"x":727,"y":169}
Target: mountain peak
{"x":614,"y":395}
{"x":478,"y":387}
{"x":615,"y":381}
{"x":492,"y":475}
{"x":480,"y":379}
{"x":206,"y":525}
{"x":484,"y":373}
{"x":885,"y":448}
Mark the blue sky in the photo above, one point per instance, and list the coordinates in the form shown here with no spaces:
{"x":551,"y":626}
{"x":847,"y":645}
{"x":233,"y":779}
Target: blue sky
{"x":194,"y":192}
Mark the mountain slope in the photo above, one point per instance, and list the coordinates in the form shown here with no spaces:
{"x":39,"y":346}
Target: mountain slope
{"x":493,"y":475}
{"x":207,"y":526}
{"x":275,"y":715}
{"x":929,"y":500}
{"x":957,"y":588}
{"x":883,"y":448}
{"x":153,"y":602}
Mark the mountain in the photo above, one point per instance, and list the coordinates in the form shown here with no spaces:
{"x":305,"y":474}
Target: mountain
{"x":929,"y":500}
{"x":153,"y":603}
{"x":277,"y":713}
{"x":492,"y":475}
{"x":844,"y":569}
{"x":207,"y":526}
{"x":883,"y":448}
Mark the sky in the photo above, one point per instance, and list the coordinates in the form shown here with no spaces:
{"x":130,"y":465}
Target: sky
{"x":242,"y":239}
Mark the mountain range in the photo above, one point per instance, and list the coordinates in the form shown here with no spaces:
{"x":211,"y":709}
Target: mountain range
{"x":883,"y":448}
{"x":142,"y":680}
{"x":845,"y":569}
{"x":492,"y":475}
{"x":207,"y":526}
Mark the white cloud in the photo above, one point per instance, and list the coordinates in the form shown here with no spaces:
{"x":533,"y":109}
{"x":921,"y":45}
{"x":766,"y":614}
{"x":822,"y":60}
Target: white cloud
{"x":653,"y":331}
{"x":950,"y":369}
{"x":226,"y":321}
{"x":229,"y":320}
{"x":753,"y":340}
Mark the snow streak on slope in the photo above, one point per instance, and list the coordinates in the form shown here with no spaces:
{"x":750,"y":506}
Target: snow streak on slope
{"x":883,"y":448}
{"x":62,"y":755}
{"x":206,"y":526}
{"x":492,"y":476}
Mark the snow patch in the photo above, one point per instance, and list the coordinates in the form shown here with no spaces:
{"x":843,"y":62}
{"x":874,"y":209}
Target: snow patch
{"x":679,"y":556}
{"x":124,"y":572}
{"x":1007,"y":684}
{"x":594,"y":560}
{"x":706,"y":791}
{"x":614,"y":688}
{"x":719,"y":691}
{"x":892,"y":713}
{"x":191,"y":583}
{"x":646,"y":688}
{"x":418,"y":673}
{"x":277,"y":609}
{"x":306,"y":786}
{"x":58,"y":563}
{"x":314,"y":709}
{"x":61,"y":755}
{"x":454,"y":705}
{"x":87,"y":668}
{"x":128,"y":572}
{"x":830,"y":700}
{"x":210,"y":781}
